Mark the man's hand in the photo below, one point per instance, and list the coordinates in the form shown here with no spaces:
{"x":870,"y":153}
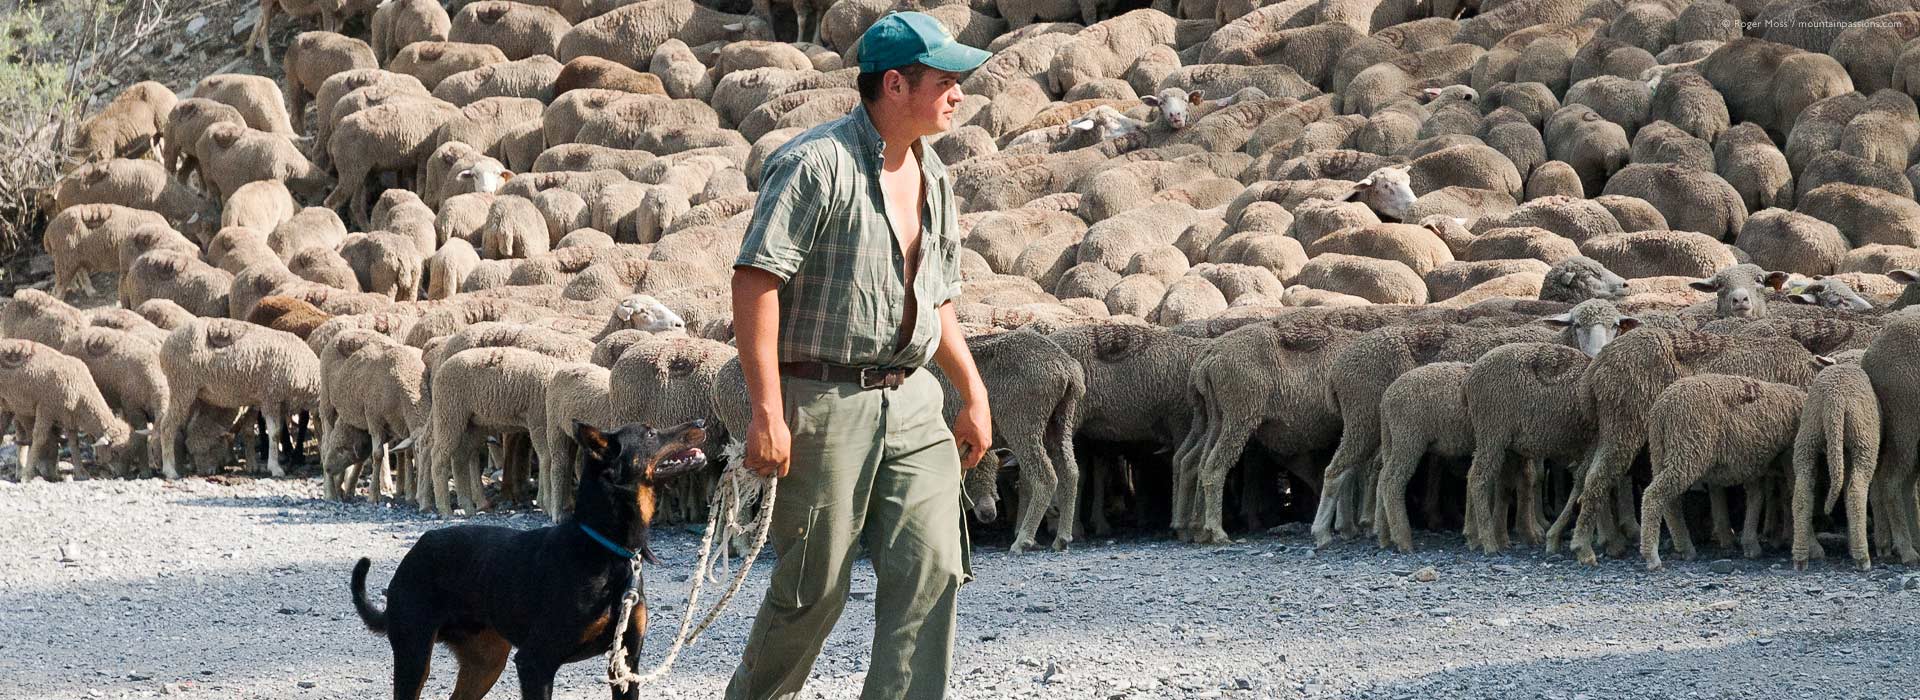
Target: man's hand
{"x":973,"y":431}
{"x":769,"y":446}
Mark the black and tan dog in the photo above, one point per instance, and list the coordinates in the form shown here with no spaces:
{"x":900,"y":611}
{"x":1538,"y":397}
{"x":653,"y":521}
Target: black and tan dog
{"x":552,"y":593}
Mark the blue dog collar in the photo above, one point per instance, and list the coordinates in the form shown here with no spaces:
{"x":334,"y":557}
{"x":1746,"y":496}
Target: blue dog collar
{"x":611,"y":546}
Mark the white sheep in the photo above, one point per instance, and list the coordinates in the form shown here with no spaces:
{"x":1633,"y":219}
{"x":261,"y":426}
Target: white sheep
{"x":234,"y":364}
{"x":53,"y":389}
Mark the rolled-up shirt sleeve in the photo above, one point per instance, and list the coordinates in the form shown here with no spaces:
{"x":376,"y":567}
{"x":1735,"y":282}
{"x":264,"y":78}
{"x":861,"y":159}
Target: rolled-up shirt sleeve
{"x":786,"y":217}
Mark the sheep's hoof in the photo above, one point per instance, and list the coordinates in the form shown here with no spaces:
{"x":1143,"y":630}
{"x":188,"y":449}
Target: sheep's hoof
{"x":1322,"y":538}
{"x":1585,"y":556}
{"x":1655,"y":565}
{"x":1019,"y":547}
{"x":1799,"y":564}
{"x":1212,"y":535}
{"x":1060,"y":545}
{"x":1863,"y":565}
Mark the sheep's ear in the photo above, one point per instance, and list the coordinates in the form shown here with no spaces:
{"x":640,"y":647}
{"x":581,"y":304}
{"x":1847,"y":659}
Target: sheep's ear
{"x":1823,"y":361}
{"x":1195,"y":98}
{"x":591,"y":440}
{"x":1807,"y":299}
{"x":1776,"y":279}
{"x":1081,"y":124}
{"x":464,"y":174}
{"x":1904,"y":276}
{"x":1706,"y":285}
{"x":733,"y":27}
{"x":1560,"y":321}
{"x":1627,"y":323}
{"x":506,"y":175}
{"x":1150,"y":101}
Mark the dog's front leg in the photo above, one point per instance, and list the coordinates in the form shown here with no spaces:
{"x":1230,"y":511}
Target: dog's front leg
{"x":635,"y":638}
{"x":536,"y":676}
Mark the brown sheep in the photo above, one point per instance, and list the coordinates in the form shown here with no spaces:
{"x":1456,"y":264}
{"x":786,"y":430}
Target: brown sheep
{"x":128,"y":126}
{"x":596,"y":73}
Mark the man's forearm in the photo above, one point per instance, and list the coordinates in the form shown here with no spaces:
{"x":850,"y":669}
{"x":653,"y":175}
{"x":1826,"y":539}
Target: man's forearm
{"x":756,"y":331}
{"x":956,"y":361}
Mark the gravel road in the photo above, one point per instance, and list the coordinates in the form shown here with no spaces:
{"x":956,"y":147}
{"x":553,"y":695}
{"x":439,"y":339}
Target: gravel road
{"x":237,"y":589}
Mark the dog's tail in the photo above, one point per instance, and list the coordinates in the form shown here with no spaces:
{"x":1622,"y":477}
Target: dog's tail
{"x":375,"y":618}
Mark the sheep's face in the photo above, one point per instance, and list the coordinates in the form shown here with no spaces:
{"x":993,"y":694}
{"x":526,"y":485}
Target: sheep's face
{"x":749,"y":28}
{"x":982,"y":484}
{"x":1175,"y":105}
{"x":643,"y":312}
{"x":1105,"y":121}
{"x":1591,"y":325}
{"x":1591,"y":282}
{"x":486,"y":176}
{"x":1388,"y":191}
{"x":1741,"y":290}
{"x":1832,"y":294}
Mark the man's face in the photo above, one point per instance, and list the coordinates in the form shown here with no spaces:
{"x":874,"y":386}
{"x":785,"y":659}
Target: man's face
{"x":931,"y":99}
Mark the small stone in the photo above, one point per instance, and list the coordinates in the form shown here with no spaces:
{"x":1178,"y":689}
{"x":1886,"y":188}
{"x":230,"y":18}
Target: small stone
{"x":1440,"y":612}
{"x":1243,"y":684}
{"x":1721,"y":566}
{"x":860,"y":595}
{"x":307,"y":684}
{"x":1763,"y":641}
{"x":139,"y":676}
{"x":69,"y":553}
{"x":1039,"y":608}
{"x":1910,"y":583}
{"x":1504,"y":568}
{"x":1426,"y":575}
{"x":246,"y":22}
{"x":1582,"y":696}
{"x":196,"y":24}
{"x":1722,"y":605}
{"x":40,"y":265}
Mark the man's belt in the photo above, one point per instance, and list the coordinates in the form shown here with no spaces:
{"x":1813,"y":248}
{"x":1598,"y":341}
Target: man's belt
{"x":866,"y":377}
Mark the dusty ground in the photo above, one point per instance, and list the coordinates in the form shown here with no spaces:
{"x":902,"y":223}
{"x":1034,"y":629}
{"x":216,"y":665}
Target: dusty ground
{"x":211,"y":590}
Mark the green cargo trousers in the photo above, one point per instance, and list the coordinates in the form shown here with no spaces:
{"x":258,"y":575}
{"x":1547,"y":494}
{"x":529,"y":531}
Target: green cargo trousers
{"x":877,"y":467}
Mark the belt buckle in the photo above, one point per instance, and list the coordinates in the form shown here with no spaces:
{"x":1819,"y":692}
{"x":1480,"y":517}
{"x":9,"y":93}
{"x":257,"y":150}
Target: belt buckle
{"x":889,"y":379}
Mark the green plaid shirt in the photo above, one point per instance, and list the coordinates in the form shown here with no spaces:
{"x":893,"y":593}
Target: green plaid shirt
{"x":820,"y":225}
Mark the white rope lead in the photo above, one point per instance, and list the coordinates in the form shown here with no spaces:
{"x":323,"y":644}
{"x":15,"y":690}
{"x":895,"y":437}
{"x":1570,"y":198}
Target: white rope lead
{"x":622,"y":676}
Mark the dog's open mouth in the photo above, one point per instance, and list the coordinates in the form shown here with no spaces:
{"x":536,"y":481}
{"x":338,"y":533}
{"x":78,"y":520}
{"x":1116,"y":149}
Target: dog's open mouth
{"x":685,"y":459}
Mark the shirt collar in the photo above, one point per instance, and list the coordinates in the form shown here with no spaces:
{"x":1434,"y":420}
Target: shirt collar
{"x":876,"y":147}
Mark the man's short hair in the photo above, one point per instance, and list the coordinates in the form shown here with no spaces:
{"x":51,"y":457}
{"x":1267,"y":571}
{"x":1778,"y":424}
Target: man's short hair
{"x":871,"y":83}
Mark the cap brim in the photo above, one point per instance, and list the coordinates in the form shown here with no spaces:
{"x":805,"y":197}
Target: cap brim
{"x":956,"y":57}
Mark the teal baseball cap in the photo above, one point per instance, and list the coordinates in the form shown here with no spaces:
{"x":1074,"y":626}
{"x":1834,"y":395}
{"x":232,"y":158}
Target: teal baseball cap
{"x":901,"y":38}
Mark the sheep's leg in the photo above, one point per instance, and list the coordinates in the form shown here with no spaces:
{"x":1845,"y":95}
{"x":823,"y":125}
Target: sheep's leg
{"x":172,"y":421}
{"x":259,"y":36}
{"x":330,"y":467}
{"x":1400,"y":458}
{"x":1722,"y":519}
{"x":1750,"y":529}
{"x":382,"y":481}
{"x":1098,"y":480}
{"x":1627,"y":523}
{"x":1529,"y":497}
{"x":1348,"y":459}
{"x":447,"y":445}
{"x":1482,"y":477}
{"x":275,"y":424}
{"x":1658,"y":499}
{"x":1906,"y":516}
{"x":1201,"y":432}
{"x":1039,"y":485}
{"x":1217,"y":460}
{"x":1066,"y":473}
{"x":45,"y":449}
{"x":1603,"y":470}
{"x":1865,"y":447}
{"x":1803,"y":504}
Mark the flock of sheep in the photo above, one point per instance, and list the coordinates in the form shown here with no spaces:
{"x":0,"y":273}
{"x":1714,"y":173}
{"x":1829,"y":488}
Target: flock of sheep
{"x":1523,"y":238}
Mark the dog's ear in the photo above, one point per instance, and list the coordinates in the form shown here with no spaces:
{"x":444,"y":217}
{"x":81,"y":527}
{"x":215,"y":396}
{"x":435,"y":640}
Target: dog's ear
{"x":592,"y":440}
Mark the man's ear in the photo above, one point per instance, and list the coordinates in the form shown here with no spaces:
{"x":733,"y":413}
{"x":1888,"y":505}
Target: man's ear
{"x":592,"y":440}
